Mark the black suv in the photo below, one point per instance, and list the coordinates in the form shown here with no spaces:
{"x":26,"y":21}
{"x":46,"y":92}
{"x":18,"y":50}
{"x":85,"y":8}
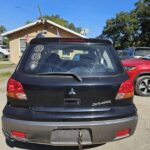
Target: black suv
{"x":69,"y":92}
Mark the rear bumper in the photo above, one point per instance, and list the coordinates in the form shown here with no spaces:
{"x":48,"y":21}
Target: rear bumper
{"x":41,"y":132}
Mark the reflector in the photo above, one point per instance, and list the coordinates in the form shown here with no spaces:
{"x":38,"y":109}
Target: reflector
{"x":18,"y":134}
{"x":123,"y":133}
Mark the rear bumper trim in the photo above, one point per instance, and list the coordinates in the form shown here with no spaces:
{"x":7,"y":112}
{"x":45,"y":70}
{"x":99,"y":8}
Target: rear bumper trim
{"x":40,"y":132}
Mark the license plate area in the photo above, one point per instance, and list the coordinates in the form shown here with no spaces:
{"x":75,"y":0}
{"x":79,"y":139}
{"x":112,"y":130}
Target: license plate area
{"x":70,"y":137}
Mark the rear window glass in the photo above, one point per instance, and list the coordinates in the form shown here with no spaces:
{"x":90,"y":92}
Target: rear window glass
{"x":142,"y":52}
{"x":82,"y":59}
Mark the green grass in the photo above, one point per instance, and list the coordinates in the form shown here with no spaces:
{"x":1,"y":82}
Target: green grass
{"x":3,"y":66}
{"x":4,"y":75}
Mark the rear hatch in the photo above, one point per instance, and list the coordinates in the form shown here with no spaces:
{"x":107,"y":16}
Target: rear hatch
{"x":70,"y":76}
{"x":51,"y":93}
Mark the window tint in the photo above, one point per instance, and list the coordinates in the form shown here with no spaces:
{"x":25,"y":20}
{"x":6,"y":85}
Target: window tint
{"x":82,"y":59}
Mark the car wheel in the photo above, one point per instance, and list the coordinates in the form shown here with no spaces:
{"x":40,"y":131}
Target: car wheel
{"x":142,"y":86}
{"x":2,"y":56}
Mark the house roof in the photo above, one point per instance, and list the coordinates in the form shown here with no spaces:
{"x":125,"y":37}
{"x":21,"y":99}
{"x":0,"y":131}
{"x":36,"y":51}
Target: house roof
{"x":41,"y":21}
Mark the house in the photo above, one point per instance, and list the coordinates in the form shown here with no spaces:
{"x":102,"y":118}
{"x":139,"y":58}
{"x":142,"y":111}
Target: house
{"x":1,"y":40}
{"x":18,"y":38}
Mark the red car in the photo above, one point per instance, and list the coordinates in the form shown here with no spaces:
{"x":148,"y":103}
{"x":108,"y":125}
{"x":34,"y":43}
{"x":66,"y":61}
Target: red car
{"x":138,"y":70}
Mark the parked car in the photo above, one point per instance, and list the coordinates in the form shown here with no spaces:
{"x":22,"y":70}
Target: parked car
{"x":141,"y":52}
{"x":133,"y":52}
{"x":62,"y":101}
{"x":125,"y":54}
{"x":4,"y":52}
{"x":138,"y":70}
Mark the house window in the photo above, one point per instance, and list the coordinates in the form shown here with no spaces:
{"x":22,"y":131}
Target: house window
{"x":23,"y":45}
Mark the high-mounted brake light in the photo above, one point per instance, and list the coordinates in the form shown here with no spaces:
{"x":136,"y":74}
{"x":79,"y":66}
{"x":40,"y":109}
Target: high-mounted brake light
{"x":15,"y":90}
{"x":126,"y":90}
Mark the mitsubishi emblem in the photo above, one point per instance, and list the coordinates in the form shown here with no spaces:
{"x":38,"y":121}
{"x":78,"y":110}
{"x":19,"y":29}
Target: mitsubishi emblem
{"x":72,"y":92}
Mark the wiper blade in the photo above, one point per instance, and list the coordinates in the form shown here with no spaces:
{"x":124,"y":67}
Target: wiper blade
{"x":62,"y":74}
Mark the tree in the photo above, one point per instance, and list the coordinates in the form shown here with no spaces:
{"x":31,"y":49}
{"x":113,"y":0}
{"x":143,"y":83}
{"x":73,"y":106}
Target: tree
{"x":2,"y":29}
{"x":130,"y":29}
{"x":143,"y":16}
{"x":5,"y":40}
{"x":29,"y":21}
{"x":57,"y":19}
{"x":121,"y":30}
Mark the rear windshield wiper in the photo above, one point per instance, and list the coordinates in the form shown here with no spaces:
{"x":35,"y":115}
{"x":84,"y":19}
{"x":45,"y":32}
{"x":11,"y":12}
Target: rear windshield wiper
{"x":62,"y":74}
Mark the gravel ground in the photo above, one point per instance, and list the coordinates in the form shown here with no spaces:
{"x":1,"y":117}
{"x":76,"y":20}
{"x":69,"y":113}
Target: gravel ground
{"x":139,"y":141}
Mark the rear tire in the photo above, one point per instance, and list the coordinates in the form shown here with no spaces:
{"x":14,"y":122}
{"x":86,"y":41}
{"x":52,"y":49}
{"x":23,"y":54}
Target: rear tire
{"x":1,"y":56}
{"x":142,"y":86}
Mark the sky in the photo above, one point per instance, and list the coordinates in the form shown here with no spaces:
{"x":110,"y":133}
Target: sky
{"x":88,"y":14}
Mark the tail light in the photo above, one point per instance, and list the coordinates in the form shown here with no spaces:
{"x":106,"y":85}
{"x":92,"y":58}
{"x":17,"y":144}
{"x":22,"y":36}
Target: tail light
{"x":126,"y":90}
{"x":15,"y":90}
